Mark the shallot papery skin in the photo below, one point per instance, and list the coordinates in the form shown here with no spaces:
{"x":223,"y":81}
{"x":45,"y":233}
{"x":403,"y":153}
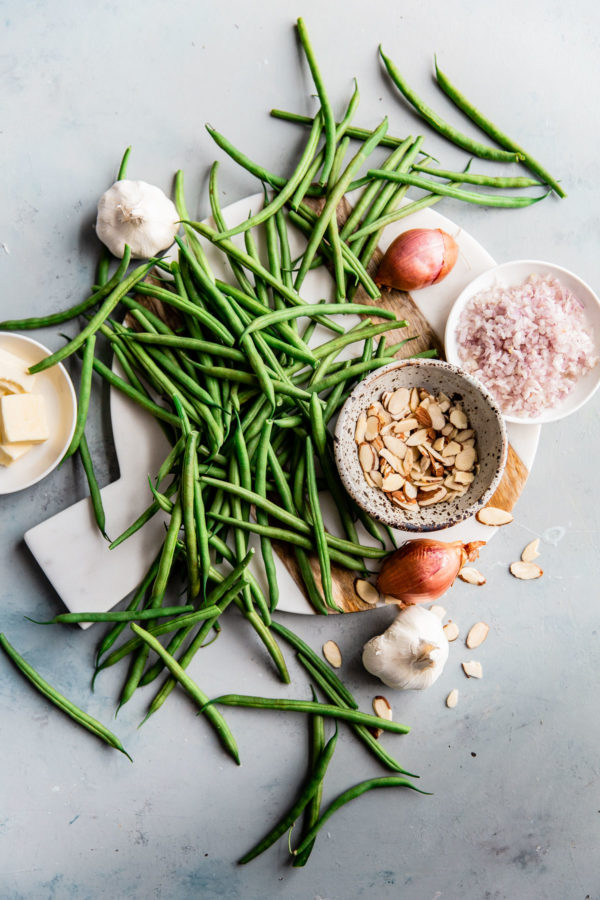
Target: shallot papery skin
{"x":416,"y":259}
{"x":423,"y":570}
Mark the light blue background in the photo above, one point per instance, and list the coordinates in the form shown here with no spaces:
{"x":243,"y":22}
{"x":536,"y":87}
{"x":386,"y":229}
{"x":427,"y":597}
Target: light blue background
{"x":514,"y":768}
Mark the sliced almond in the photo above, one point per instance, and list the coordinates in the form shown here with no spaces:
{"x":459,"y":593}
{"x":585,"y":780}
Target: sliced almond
{"x":436,"y":415}
{"x":471,"y":575}
{"x":382,"y":707}
{"x":366,"y":457}
{"x":448,"y":429}
{"x":366,"y":591}
{"x":372,"y":429}
{"x":439,"y":444}
{"x":422,"y":416}
{"x":377,"y":443}
{"x":465,"y":460}
{"x":392,"y":482}
{"x":387,"y":598}
{"x":376,"y":478}
{"x":361,"y":426}
{"x":332,"y":654}
{"x":407,"y":424}
{"x":531,"y":551}
{"x":436,"y":497}
{"x":477,"y":635}
{"x":410,"y":491}
{"x":525,"y":570}
{"x":397,"y":447}
{"x":375,"y":408}
{"x":451,"y":449}
{"x":458,"y":418}
{"x":493,"y":515}
{"x":452,"y":699}
{"x":438,"y":611}
{"x":414,"y":399}
{"x":369,"y":480}
{"x":465,"y":435}
{"x":463,"y":477}
{"x":398,"y":400}
{"x":444,"y":402}
{"x":451,"y":630}
{"x":396,"y":464}
{"x":472,"y":669}
{"x":417,"y":437}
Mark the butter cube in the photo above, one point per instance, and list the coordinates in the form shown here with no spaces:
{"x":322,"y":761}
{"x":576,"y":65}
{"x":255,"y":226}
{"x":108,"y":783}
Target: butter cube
{"x":10,"y":453}
{"x":13,"y":374}
{"x":23,"y":419}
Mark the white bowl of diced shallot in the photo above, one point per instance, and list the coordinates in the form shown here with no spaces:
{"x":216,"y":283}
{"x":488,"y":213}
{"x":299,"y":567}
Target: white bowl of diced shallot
{"x":530,"y":332}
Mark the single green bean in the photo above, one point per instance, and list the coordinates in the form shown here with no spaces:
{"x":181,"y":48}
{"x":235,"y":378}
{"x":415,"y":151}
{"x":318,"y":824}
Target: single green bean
{"x":195,"y":245}
{"x":351,"y":794}
{"x":92,"y":326}
{"x":314,"y":310}
{"x":307,"y":706}
{"x":307,"y":793}
{"x":326,"y":110}
{"x":189,"y":519}
{"x":73,"y":311}
{"x":117,"y":616}
{"x":58,"y":699}
{"x":446,"y":190}
{"x":319,"y":528}
{"x":436,"y":122}
{"x":494,"y":132}
{"x":313,"y":808}
{"x":219,"y":723}
{"x":260,"y":484}
{"x":499,"y":181}
{"x":83,"y":401}
{"x":95,"y":495}
{"x":359,"y":134}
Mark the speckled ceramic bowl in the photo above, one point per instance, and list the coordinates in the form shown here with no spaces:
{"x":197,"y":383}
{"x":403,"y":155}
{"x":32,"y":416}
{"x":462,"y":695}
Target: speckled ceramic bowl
{"x":484,"y":417}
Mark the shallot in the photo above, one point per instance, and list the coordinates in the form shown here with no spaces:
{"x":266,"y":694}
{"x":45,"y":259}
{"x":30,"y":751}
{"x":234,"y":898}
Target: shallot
{"x":416,"y":259}
{"x":422,"y":570}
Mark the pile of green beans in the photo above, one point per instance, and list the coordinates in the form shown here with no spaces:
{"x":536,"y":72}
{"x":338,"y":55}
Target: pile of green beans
{"x":245,"y":376}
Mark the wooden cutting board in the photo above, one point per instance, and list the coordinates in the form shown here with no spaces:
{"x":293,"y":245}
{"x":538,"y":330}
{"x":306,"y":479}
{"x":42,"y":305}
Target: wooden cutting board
{"x":404,"y":307}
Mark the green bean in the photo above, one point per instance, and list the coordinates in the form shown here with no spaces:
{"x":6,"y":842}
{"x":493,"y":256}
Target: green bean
{"x":73,"y":311}
{"x":124,"y":163}
{"x":196,"y":312}
{"x":117,"y":616}
{"x":499,"y":181}
{"x":313,"y":807}
{"x":95,"y":495}
{"x":261,"y":488}
{"x":307,"y":706}
{"x":307,"y":793}
{"x":326,"y":110}
{"x":251,"y":378}
{"x":83,"y":401}
{"x":201,"y":528}
{"x":284,"y":194}
{"x":366,"y":736}
{"x":281,"y":315}
{"x":319,"y":528}
{"x":351,"y":794}
{"x":436,"y":122}
{"x":195,"y":245}
{"x":493,"y":131}
{"x":284,"y":247}
{"x":349,"y":374}
{"x":377,"y":225}
{"x":190,"y":686}
{"x":58,"y":699}
{"x":446,"y":190}
{"x":333,"y":198}
{"x":359,"y":134}
{"x":305,"y":187}
{"x":144,"y":517}
{"x":189,"y":519}
{"x":157,"y":411}
{"x":110,"y":303}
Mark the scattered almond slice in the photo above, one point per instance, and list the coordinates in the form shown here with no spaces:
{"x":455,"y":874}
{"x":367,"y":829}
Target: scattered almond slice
{"x":472,"y":669}
{"x":361,"y":426}
{"x":372,"y":429}
{"x":471,"y":575}
{"x":382,"y":708}
{"x":493,"y":515}
{"x":387,"y":598}
{"x":398,"y":400}
{"x":477,"y":635}
{"x":438,"y":611}
{"x":332,"y":654}
{"x":531,"y":551}
{"x":458,"y":418}
{"x":451,"y":631}
{"x":366,"y":591}
{"x":452,"y":699}
{"x":526,"y":571}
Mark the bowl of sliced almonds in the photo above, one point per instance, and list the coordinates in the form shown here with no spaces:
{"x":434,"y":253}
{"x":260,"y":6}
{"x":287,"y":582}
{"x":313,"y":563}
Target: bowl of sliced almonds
{"x":420,"y":445}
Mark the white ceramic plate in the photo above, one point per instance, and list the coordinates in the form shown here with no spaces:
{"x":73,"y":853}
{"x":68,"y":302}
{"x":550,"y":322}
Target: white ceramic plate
{"x":513,"y":273}
{"x":101,"y":578}
{"x":60,"y":402}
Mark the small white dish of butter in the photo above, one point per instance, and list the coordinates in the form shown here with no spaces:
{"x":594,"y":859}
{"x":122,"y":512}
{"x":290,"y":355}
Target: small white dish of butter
{"x":37,"y":413}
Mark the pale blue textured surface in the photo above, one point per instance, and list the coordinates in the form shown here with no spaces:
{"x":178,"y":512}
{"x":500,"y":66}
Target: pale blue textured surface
{"x":514,"y":768}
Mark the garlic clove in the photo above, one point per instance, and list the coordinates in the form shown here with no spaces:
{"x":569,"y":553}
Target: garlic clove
{"x":137,"y":214}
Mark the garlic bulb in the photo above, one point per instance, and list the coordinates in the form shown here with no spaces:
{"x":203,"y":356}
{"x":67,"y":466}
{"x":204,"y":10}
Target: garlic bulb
{"x":137,"y":214}
{"x":411,"y":653}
